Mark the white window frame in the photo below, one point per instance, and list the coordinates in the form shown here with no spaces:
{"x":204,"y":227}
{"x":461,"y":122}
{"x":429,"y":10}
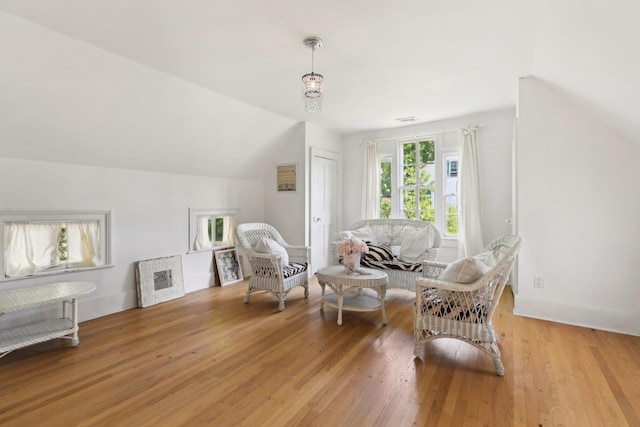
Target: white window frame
{"x":102,"y":217}
{"x":399,"y":171}
{"x":211,"y":213}
{"x":388,"y":158}
{"x":440,"y":172}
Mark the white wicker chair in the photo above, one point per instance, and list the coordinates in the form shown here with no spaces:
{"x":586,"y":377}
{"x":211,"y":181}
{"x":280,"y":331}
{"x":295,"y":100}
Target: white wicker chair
{"x":267,"y":272}
{"x":464,"y":311}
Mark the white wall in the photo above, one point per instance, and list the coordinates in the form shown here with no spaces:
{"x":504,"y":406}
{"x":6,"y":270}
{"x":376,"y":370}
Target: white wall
{"x":288,"y":212}
{"x":149,"y":219}
{"x":67,"y":101}
{"x":591,"y":50}
{"x":495,"y":138}
{"x":578,"y":210}
{"x":284,"y":209}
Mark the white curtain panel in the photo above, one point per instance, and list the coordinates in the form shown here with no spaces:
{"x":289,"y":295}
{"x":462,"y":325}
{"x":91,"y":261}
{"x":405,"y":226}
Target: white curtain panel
{"x":202,"y":233}
{"x":83,"y":244}
{"x":229,"y":230}
{"x":30,"y":247}
{"x":470,"y":240}
{"x":371,"y":193}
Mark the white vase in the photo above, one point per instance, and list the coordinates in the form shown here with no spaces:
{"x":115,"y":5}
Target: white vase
{"x":351,"y":262}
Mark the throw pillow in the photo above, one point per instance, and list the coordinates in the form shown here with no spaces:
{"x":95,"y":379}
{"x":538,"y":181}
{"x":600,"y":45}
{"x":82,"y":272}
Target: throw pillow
{"x":270,"y":246}
{"x":342,"y":235}
{"x":365,"y":234}
{"x":487,"y":258}
{"x":378,"y":252}
{"x":465,"y":271}
{"x":415,"y":244}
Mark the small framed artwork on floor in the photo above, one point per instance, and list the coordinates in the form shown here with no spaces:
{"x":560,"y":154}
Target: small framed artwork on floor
{"x":228,"y":266}
{"x":159,"y":280}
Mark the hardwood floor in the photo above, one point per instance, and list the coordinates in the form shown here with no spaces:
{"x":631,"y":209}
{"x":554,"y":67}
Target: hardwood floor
{"x":209,"y":359}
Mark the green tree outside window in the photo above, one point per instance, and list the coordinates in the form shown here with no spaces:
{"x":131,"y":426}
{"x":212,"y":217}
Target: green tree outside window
{"x":385,"y":190}
{"x":417,"y":189}
{"x":63,"y":250}
{"x":418,"y":183}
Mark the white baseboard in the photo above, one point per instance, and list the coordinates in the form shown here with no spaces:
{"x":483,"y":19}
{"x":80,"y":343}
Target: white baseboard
{"x":588,"y":317}
{"x":196,"y":282}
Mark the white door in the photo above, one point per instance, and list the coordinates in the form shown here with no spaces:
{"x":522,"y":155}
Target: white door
{"x":325,"y":171}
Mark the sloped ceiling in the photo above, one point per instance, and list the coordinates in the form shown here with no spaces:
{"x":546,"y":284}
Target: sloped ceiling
{"x":170,"y":79}
{"x":591,"y":52}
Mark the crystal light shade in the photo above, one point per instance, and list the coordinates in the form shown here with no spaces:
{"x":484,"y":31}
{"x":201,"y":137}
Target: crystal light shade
{"x":312,"y":82}
{"x":312,"y":92}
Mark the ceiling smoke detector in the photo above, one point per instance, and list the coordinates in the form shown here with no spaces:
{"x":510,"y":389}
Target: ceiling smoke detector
{"x":409,"y":119}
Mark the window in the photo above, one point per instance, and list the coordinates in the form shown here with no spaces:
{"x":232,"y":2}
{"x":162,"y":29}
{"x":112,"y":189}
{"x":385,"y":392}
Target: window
{"x":426,"y":185}
{"x":385,"y":188}
{"x":43,"y":243}
{"x":211,"y":229}
{"x":451,"y":194}
{"x":417,"y":185}
{"x":452,"y":167}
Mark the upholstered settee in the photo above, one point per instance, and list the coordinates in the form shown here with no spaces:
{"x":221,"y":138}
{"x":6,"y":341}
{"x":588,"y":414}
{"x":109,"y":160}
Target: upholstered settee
{"x":397,"y":246}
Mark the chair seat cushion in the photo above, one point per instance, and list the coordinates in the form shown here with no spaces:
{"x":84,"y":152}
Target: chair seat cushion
{"x":392,"y":265}
{"x":450,"y":310}
{"x":294,"y":268}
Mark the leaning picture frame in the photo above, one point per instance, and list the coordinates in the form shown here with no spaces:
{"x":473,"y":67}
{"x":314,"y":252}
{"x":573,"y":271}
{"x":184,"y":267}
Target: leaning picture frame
{"x":228,"y":266}
{"x":159,"y":280}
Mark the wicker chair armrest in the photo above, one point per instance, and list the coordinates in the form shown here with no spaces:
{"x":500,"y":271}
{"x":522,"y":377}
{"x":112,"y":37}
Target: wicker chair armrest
{"x":503,"y":267}
{"x":300,"y":254}
{"x":333,"y":253}
{"x":266,"y":259}
{"x":428,"y":283}
{"x":433,"y":269}
{"x":423,"y":283}
{"x":268,"y":266}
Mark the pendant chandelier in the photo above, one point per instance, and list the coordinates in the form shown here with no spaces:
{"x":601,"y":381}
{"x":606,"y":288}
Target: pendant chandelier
{"x":312,"y":82}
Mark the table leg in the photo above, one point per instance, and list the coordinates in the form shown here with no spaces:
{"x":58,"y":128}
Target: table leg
{"x":74,"y":313}
{"x":381,"y":294}
{"x":322,"y":296}
{"x":340,"y":303}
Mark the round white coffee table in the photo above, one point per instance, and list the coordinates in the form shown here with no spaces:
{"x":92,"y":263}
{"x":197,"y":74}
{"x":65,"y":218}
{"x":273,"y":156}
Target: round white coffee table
{"x":348,"y":290}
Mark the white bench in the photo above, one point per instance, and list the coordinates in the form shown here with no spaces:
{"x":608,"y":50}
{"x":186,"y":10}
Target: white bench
{"x":66,"y":293}
{"x":392,"y":232}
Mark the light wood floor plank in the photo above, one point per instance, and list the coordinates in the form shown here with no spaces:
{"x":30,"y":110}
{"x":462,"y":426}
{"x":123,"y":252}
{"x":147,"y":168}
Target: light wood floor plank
{"x":210,"y":359}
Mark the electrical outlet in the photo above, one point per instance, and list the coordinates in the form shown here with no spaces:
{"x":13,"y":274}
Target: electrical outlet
{"x":538,"y":282}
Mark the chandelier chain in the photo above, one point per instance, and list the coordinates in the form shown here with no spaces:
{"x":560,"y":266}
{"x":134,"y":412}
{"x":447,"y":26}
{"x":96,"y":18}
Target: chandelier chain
{"x":312,"y":83}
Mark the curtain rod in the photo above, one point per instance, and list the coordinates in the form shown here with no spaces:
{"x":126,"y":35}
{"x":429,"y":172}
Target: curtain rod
{"x":424,"y":134}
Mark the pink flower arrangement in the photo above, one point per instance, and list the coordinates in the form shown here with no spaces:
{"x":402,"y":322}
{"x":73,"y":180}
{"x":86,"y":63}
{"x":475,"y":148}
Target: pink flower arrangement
{"x":352,"y":246}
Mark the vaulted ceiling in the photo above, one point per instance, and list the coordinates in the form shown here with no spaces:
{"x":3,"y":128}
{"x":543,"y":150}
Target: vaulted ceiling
{"x":381,"y":60}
